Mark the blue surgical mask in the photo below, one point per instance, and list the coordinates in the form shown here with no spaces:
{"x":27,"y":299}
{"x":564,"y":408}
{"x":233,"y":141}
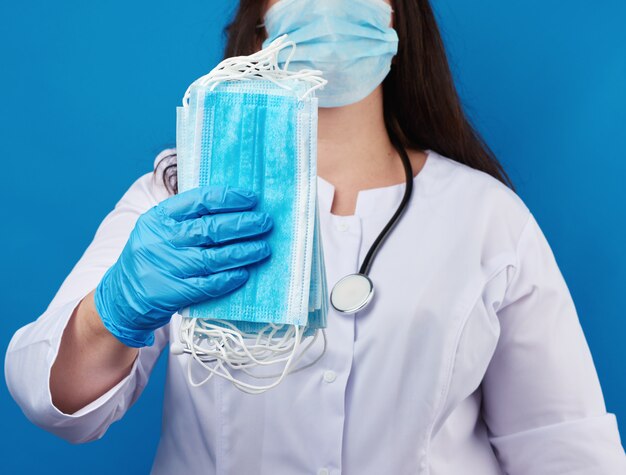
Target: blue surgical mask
{"x":259,"y":136}
{"x":253,"y":125}
{"x":350,"y":41}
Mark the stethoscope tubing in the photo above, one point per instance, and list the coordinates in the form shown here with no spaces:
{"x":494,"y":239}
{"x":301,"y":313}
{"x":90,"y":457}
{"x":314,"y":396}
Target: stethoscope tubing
{"x":408,"y":190}
{"x":354,"y":292}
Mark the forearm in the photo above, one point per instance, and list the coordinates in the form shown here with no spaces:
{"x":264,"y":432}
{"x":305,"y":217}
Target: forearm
{"x":90,"y":360}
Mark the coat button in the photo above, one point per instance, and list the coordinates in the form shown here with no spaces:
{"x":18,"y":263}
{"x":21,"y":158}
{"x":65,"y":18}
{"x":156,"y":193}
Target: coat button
{"x":330,"y":376}
{"x":343,"y":227}
{"x":323,"y":471}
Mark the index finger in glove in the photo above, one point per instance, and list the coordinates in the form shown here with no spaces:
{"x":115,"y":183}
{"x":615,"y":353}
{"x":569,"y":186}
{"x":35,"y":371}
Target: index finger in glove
{"x":207,"y":200}
{"x":221,"y":228}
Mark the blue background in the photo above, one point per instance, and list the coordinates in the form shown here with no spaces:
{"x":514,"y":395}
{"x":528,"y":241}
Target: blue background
{"x":89,"y":91}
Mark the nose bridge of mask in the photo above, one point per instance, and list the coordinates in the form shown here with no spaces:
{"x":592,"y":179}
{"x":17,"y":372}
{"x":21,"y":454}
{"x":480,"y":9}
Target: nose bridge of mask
{"x":341,"y":33}
{"x":251,"y":124}
{"x":377,"y":9}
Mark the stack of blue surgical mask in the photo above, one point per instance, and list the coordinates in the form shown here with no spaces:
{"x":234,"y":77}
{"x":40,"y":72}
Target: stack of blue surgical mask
{"x":252,"y":124}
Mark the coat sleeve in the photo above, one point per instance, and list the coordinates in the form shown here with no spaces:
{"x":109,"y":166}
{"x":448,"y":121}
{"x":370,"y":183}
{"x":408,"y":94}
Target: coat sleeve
{"x":542,"y":400}
{"x":34,"y":347}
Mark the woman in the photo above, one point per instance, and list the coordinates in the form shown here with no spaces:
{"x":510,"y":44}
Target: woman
{"x":471,"y":359}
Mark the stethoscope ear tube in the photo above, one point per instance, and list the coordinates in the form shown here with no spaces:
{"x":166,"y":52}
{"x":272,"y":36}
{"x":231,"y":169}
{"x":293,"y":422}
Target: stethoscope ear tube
{"x":355,"y":291}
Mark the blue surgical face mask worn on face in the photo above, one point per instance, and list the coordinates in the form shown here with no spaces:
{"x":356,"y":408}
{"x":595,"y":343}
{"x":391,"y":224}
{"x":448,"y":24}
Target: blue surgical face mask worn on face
{"x":350,"y":41}
{"x":251,"y":124}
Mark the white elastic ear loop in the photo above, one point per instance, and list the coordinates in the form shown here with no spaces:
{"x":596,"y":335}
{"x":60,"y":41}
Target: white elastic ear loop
{"x":302,"y":353}
{"x":225,"y":373}
{"x":232,"y":348}
{"x":261,"y":65}
{"x":223,"y":361}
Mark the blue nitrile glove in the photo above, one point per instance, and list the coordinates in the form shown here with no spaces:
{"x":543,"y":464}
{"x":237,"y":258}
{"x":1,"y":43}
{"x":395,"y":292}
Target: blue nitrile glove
{"x":176,"y":256}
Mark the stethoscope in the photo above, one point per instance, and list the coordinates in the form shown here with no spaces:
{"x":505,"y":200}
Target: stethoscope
{"x":355,"y":291}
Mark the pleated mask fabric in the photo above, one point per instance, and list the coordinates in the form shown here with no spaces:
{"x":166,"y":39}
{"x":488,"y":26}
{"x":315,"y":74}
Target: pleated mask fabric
{"x":258,"y":136}
{"x":258,"y":133}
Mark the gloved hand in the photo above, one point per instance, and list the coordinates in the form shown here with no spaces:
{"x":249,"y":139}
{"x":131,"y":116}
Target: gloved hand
{"x":178,"y":254}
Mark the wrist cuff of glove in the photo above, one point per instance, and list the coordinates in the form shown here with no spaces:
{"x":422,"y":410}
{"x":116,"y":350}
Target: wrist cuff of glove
{"x":129,"y":338}
{"x":132,"y":338}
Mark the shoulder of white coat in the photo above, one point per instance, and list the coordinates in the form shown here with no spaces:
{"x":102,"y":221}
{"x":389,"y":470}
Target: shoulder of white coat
{"x":149,"y":189}
{"x":165,"y":160}
{"x":480,"y":196}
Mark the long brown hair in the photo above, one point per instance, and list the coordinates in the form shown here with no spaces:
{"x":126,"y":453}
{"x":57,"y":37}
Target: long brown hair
{"x":421,"y":106}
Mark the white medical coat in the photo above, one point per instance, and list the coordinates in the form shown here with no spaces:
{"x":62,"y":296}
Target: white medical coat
{"x":469,"y":360}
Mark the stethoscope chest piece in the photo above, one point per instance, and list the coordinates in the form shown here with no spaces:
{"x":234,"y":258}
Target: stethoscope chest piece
{"x":352,"y":293}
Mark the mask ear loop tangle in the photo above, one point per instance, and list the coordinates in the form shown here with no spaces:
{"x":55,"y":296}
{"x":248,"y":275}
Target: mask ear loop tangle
{"x":262,"y":64}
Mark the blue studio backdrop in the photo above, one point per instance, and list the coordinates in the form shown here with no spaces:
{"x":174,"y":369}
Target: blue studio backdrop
{"x":89,"y":91}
